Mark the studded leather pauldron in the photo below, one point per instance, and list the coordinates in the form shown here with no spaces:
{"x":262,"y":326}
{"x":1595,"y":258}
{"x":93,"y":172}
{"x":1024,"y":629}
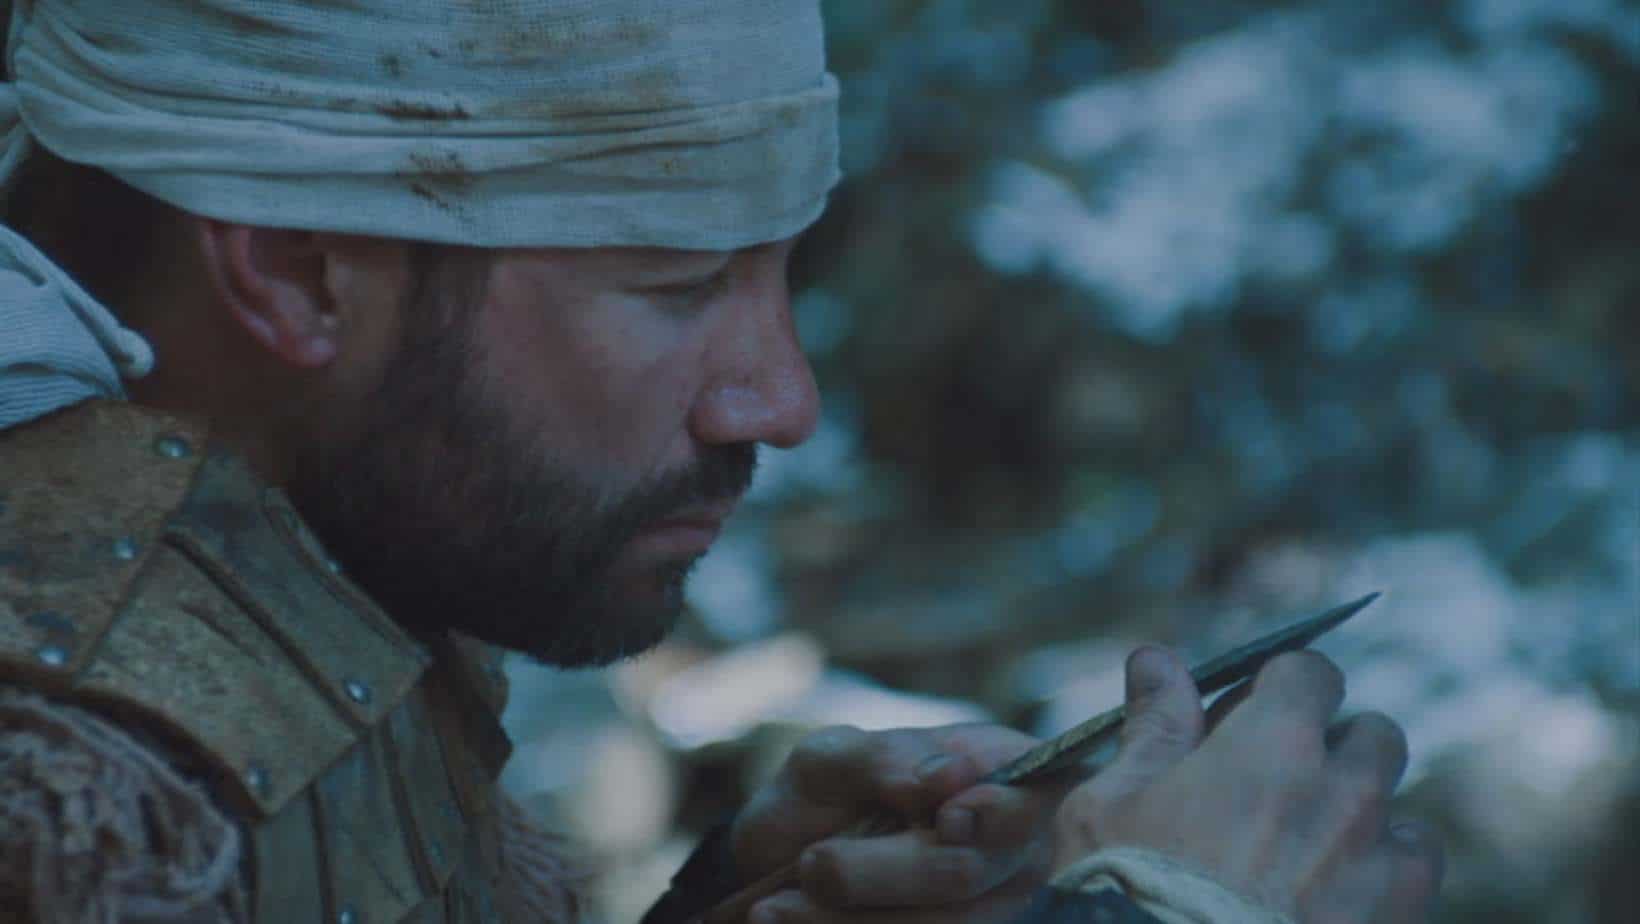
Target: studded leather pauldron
{"x":159,"y":582}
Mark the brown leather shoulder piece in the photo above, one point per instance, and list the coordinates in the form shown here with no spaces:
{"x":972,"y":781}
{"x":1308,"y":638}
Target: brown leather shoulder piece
{"x":84,"y":497}
{"x":187,"y":659}
{"x":251,"y":543}
{"x":401,"y":828}
{"x":213,"y":615}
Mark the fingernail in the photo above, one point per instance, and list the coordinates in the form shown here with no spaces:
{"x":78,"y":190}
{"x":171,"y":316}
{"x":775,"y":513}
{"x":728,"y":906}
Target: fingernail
{"x":1149,"y":668}
{"x":931,"y":767}
{"x":819,"y":876}
{"x":1406,"y":832}
{"x":957,"y":825}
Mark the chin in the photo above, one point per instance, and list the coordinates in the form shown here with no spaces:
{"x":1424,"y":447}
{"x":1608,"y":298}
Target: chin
{"x":597,"y":652}
{"x":612,"y":626}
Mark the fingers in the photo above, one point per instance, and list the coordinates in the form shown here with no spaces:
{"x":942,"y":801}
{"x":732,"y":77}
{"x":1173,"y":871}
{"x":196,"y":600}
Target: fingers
{"x":1273,"y":803}
{"x":1395,"y":881}
{"x":1283,"y":721}
{"x":1164,"y":724}
{"x":831,"y":766}
{"x":1164,"y":719}
{"x":839,"y":777}
{"x":1341,"y":847}
{"x":1303,"y":684}
{"x":1366,"y":763}
{"x":993,"y":816}
{"x":1418,"y":866}
{"x":908,"y":771}
{"x":1359,"y":863}
{"x":909,"y":869}
{"x":793,"y":907}
{"x":1370,"y":747}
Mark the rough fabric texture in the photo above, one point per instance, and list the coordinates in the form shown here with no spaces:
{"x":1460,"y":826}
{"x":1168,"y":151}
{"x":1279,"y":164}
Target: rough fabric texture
{"x":1171,"y":891}
{"x":703,"y":124}
{"x":95,"y":828}
{"x":59,"y":345}
{"x":541,"y":883}
{"x":1106,"y":906}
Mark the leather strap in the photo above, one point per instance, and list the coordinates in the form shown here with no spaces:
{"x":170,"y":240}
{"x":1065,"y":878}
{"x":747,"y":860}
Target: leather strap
{"x":707,"y":877}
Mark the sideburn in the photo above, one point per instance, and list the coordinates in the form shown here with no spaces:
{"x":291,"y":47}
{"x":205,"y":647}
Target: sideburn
{"x":452,"y":517}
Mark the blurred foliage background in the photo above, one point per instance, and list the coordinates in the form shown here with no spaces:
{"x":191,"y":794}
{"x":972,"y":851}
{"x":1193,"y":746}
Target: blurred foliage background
{"x":1167,"y":320}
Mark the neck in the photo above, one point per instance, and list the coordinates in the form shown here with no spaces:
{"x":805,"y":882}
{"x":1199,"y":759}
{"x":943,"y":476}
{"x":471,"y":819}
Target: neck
{"x":200,"y":385}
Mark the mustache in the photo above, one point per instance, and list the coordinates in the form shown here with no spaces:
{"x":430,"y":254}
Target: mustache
{"x":721,"y":473}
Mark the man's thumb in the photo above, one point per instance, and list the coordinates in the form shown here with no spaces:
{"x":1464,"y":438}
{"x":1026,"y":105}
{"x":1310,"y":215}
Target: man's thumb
{"x":1165,"y":721}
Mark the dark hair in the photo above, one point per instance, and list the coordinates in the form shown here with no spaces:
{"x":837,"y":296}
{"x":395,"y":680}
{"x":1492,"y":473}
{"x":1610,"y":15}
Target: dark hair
{"x":109,"y":236}
{"x":119,"y":242}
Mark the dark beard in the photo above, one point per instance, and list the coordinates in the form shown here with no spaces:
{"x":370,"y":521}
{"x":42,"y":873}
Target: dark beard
{"x":452,"y":519}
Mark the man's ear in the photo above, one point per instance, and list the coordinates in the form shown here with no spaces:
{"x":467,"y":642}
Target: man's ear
{"x":272,"y":283}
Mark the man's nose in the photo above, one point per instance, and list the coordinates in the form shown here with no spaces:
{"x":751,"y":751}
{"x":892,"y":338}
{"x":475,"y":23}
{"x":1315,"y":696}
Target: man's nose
{"x":760,"y":388}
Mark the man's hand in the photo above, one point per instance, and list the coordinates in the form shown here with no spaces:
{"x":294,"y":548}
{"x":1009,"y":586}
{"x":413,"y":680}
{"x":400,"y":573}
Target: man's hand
{"x":975,"y":852}
{"x":1274,"y":804}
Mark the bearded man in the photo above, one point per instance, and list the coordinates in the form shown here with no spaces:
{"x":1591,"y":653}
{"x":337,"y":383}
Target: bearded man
{"x":345,"y":345}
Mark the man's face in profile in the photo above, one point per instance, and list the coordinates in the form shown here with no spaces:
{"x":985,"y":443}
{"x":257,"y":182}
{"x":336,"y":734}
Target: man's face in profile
{"x":557,"y":438}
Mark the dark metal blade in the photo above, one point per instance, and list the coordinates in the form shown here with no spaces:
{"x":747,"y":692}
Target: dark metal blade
{"x":1070,"y":748}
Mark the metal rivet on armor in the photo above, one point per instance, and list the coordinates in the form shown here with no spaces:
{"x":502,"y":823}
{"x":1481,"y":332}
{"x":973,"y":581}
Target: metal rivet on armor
{"x":333,"y":566}
{"x":357,"y":690}
{"x":436,"y":853}
{"x":347,"y":916}
{"x":52,"y":655}
{"x":259,"y":780}
{"x":125,"y":548}
{"x":173,"y":447}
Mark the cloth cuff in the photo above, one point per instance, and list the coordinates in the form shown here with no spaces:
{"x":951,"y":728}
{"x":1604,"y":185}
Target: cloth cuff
{"x":1165,"y":887}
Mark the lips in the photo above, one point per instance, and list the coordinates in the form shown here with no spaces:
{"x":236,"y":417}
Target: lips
{"x":689,"y":532}
{"x":700,"y":516}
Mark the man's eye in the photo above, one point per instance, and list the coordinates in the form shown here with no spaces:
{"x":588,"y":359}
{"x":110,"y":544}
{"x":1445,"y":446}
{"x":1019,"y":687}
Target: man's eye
{"x":693,"y":291}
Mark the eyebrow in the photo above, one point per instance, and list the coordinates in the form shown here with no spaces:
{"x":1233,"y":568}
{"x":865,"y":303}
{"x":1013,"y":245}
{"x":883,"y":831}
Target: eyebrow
{"x":672,"y":263}
{"x":656,"y":261}
{"x":643,"y":268}
{"x":663,"y":255}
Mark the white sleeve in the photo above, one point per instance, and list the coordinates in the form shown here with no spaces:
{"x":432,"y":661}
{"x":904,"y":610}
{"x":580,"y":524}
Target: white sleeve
{"x":542,"y":883}
{"x":1171,"y":891}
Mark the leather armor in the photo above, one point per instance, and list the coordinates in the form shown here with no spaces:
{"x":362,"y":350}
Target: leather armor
{"x":156,"y":581}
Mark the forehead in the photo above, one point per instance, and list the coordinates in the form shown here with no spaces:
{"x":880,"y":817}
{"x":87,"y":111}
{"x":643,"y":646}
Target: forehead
{"x":660,"y":259}
{"x":636,"y":265}
{"x":586,"y":271}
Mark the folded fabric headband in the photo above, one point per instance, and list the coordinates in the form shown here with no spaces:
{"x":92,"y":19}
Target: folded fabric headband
{"x":701,"y":124}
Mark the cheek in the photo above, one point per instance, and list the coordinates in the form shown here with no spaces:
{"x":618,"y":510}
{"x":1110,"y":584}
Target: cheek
{"x":618,"y":390}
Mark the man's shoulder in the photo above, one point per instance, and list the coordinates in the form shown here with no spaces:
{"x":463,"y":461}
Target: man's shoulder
{"x":88,"y":483}
{"x":149,"y":576}
{"x":96,"y":824}
{"x":85,"y":497}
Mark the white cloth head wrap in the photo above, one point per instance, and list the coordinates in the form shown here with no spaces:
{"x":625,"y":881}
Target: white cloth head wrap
{"x":693,"y":124}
